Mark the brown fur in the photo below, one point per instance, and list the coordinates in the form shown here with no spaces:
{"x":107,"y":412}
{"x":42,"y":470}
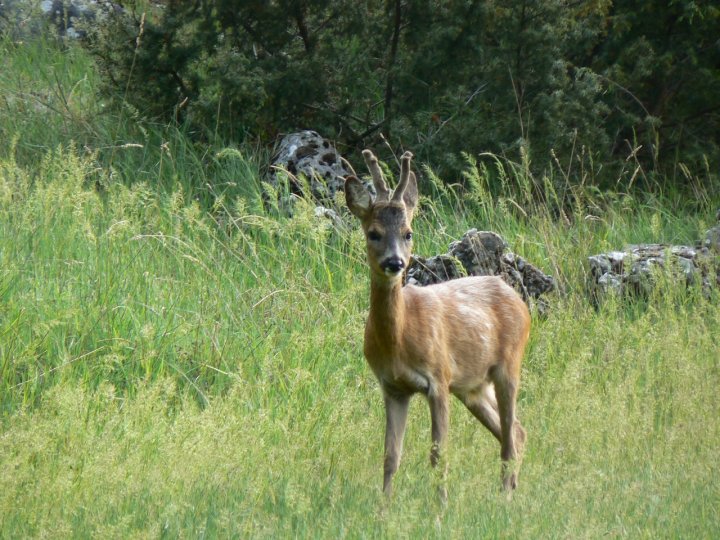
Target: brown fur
{"x":465,"y":337}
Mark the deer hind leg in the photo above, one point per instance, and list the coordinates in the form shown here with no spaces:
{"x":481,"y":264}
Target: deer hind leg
{"x":512,"y":433}
{"x":483,"y":405}
{"x":396,"y":411}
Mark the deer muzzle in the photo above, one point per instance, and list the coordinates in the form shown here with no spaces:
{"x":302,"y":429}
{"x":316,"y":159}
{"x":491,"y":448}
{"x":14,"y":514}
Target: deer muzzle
{"x":392,"y":265}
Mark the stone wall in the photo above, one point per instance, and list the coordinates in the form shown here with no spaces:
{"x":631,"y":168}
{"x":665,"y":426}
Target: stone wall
{"x":483,"y":253}
{"x":635,"y":269}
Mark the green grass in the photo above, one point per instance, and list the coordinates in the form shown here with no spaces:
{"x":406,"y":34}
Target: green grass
{"x":175,"y":361}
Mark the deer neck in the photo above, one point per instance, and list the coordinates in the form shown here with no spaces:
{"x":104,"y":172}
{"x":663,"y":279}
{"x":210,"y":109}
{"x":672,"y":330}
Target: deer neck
{"x":387,"y":311}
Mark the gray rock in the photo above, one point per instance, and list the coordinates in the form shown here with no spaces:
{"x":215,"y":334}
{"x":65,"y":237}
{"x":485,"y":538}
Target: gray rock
{"x":307,"y":160}
{"x":331,"y":215}
{"x":610,"y":283}
{"x":437,"y":269}
{"x":712,"y":239}
{"x":635,"y":269}
{"x":71,"y":18}
{"x":599,"y":265}
{"x":483,"y":253}
{"x":479,"y":252}
{"x":525,"y":277}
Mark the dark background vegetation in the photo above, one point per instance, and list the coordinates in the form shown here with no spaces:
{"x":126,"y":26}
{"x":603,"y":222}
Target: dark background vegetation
{"x":550,"y":82}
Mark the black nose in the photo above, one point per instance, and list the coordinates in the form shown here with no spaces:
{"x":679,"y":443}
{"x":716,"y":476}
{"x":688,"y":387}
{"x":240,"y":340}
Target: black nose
{"x":393,"y":264}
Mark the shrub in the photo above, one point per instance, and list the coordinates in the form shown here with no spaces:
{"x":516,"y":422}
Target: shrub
{"x":614,"y":79}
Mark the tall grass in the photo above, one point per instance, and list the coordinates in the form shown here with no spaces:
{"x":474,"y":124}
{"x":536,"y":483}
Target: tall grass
{"x":176,"y":361}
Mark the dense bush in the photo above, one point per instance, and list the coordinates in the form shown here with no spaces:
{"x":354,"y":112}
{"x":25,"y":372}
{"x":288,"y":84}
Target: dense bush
{"x":598,"y":79}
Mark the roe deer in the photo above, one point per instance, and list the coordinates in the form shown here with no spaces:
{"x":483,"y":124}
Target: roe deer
{"x":466,"y":336}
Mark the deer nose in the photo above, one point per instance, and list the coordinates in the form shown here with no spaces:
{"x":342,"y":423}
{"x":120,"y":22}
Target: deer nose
{"x":392,"y":265}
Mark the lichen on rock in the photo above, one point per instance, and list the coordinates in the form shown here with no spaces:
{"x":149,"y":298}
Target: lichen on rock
{"x":306,"y":161}
{"x":483,"y":253}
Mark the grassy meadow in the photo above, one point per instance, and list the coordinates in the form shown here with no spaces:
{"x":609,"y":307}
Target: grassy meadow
{"x":176,"y":361}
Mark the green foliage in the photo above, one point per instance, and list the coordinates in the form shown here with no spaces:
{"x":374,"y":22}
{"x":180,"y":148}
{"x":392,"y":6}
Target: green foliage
{"x":614,"y":79}
{"x":660,"y":61}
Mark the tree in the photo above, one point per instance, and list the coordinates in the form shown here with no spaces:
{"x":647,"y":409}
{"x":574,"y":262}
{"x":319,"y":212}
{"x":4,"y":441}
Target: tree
{"x":440,"y":78}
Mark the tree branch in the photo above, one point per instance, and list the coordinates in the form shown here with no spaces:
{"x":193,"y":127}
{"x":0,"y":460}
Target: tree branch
{"x":308,"y":42}
{"x":397,"y":23}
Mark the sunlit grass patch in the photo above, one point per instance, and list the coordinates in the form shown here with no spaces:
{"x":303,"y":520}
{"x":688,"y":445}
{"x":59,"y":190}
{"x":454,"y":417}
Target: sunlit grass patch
{"x":176,"y":360}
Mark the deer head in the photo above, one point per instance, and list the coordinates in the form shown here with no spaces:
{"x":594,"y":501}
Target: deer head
{"x":386,"y":219}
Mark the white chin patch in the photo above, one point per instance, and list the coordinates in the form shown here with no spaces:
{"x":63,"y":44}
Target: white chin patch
{"x":392,"y":273}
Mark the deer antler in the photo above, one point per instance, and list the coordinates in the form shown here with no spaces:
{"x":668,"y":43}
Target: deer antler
{"x":404,"y":176}
{"x":383,"y":193}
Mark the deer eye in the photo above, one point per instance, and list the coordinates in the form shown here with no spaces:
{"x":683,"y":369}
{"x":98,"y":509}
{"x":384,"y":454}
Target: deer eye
{"x":374,"y":236}
{"x":408,"y":236}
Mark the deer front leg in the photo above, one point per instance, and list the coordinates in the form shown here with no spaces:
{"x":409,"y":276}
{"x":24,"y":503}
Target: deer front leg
{"x":396,"y":410}
{"x":440,"y":418}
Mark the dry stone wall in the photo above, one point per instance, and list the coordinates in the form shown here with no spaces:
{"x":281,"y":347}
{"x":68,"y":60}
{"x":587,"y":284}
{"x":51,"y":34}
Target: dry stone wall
{"x":635,"y":269}
{"x":483,"y":253}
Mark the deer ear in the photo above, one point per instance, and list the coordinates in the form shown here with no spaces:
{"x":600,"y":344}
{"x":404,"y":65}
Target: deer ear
{"x":410,"y":195}
{"x":357,"y":197}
